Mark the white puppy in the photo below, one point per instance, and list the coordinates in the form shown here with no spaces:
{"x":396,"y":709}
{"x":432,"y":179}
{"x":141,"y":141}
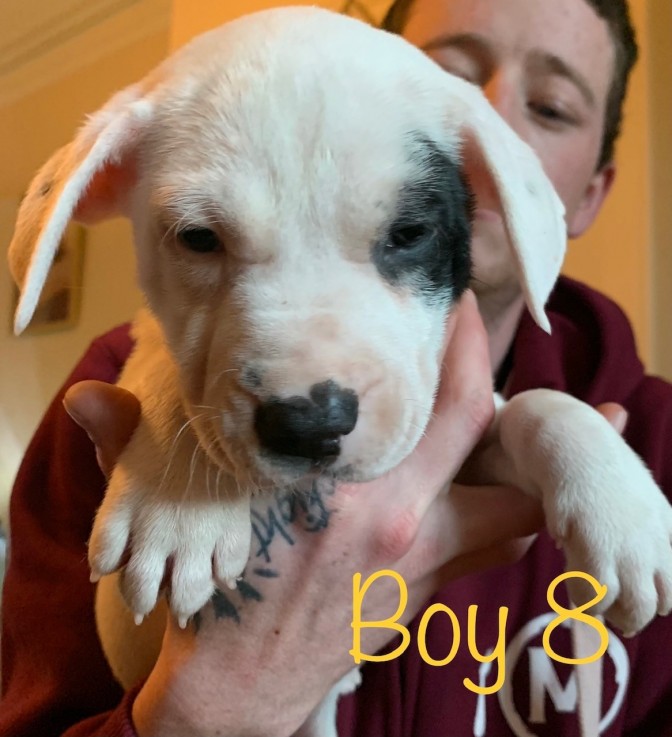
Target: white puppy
{"x":297,"y":182}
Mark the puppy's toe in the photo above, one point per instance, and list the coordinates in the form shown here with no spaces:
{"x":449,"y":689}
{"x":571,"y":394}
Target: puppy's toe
{"x":638,"y":601}
{"x":583,"y":556}
{"x":582,"y":591}
{"x":630,"y":616}
{"x":140,"y":580}
{"x":109,"y":540}
{"x":192,"y":584}
{"x":230,"y":557}
{"x":647,"y":579}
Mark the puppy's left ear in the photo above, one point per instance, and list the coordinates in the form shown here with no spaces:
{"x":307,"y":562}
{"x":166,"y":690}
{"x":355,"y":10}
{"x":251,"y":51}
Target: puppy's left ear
{"x":506,"y":175}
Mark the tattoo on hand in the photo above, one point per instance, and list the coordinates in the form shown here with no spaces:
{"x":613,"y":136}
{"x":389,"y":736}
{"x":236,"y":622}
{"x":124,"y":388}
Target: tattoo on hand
{"x":289,"y":508}
{"x":287,"y":511}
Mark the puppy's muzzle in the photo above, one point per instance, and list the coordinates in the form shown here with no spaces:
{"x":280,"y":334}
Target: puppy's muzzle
{"x":308,"y":428}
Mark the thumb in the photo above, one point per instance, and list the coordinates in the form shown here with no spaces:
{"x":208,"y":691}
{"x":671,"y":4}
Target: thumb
{"x":107,"y":413}
{"x":615,"y":414}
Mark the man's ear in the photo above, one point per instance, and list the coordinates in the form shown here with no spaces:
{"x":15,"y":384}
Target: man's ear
{"x":591,"y":203}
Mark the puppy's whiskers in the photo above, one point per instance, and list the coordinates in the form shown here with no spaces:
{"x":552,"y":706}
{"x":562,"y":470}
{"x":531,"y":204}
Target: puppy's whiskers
{"x":173,"y":448}
{"x":194,"y":476}
{"x":207,"y":480}
{"x":218,"y":453}
{"x":216,"y":410}
{"x":217,"y":479}
{"x":192,"y":469}
{"x":212,"y":383}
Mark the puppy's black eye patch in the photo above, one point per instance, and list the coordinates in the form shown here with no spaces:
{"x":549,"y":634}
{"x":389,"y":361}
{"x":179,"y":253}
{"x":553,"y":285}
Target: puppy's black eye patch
{"x":426,"y":246}
{"x":408,"y":236}
{"x":200,"y":240}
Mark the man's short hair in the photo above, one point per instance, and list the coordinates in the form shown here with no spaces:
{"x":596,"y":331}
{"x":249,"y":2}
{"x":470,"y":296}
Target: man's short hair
{"x":617,"y":16}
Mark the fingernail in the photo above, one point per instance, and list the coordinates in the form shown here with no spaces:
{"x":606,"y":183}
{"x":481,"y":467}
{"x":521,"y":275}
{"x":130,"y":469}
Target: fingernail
{"x":73,"y":413}
{"x":621,"y":420}
{"x":81,"y":421}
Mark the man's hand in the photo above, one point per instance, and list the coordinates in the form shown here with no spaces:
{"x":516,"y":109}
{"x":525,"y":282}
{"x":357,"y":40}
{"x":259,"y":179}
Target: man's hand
{"x":258,"y":660}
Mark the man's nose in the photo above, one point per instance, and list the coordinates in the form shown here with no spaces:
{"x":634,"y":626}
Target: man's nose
{"x":508,"y":99}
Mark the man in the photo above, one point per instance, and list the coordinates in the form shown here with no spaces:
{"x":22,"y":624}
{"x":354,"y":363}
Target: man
{"x":550,"y":68}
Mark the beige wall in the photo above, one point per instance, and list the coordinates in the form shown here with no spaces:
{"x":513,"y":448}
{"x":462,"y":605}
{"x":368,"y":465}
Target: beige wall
{"x":660,"y":106}
{"x":628,"y":253}
{"x":31,"y":128}
{"x":616,"y":254}
{"x":187,"y":23}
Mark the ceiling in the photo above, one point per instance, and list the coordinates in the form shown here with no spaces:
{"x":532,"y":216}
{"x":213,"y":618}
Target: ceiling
{"x":31,"y":28}
{"x":43,"y":39}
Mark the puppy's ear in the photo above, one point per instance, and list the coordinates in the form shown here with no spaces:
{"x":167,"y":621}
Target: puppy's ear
{"x":88,"y":180}
{"x":507,"y":176}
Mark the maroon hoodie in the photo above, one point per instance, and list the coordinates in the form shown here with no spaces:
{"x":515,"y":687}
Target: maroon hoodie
{"x":55,"y":680}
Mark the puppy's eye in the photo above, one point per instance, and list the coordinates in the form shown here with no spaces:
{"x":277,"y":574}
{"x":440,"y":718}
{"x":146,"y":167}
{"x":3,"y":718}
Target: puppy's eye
{"x":200,"y":240}
{"x":407,"y":236}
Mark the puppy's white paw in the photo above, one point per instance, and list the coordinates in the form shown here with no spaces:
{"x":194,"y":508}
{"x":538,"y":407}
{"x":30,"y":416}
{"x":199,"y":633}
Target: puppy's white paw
{"x":624,"y":543}
{"x":184,"y":546}
{"x":231,"y":554}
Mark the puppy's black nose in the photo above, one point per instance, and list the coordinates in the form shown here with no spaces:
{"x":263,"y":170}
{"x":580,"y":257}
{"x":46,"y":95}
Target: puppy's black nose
{"x":308,"y":428}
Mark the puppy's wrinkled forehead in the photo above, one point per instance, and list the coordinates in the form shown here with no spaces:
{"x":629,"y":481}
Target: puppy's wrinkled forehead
{"x":274,"y":134}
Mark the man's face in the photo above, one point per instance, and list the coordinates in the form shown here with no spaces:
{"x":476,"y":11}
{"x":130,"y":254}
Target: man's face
{"x":546,"y":66}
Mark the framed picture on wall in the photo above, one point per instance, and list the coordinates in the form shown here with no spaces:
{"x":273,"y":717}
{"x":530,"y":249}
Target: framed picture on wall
{"x":61,"y":298}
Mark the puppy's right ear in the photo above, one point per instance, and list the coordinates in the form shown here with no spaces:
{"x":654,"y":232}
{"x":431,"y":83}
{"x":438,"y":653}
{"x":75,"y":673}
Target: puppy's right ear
{"x":88,"y":180}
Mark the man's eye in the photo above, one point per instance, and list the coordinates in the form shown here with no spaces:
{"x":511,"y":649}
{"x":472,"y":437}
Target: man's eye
{"x":466,"y":75}
{"x":551,"y":113}
{"x":407,"y":236}
{"x":459,"y":64}
{"x":199,"y":240}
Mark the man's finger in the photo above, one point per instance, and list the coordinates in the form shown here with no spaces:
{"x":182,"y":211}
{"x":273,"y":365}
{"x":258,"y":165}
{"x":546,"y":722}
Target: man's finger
{"x":501,"y":554}
{"x":615,"y":414}
{"x":470,"y":519}
{"x":462,"y":412}
{"x":107,"y":413}
{"x":464,"y":405}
